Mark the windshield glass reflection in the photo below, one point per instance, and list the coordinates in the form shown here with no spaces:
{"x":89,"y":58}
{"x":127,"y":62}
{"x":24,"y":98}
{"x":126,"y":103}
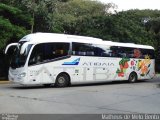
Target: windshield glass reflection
{"x":19,"y":60}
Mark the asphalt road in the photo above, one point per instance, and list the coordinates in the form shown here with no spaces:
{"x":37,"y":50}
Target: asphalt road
{"x":112,"y":97}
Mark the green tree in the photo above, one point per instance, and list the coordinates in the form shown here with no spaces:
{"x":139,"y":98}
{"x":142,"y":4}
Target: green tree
{"x":153,"y":26}
{"x":14,"y":24}
{"x":60,"y":15}
{"x":68,"y":15}
{"x":39,"y":10}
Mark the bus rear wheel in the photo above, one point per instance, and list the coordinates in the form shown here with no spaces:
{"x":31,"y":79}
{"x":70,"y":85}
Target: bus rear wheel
{"x":62,"y":80}
{"x":132,"y":77}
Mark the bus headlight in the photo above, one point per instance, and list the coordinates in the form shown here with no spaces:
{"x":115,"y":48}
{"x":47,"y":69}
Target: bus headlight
{"x":22,"y":74}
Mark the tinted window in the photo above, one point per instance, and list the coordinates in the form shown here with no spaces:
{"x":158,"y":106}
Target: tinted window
{"x":37,"y":54}
{"x":123,"y":51}
{"x":55,"y":50}
{"x":48,"y":51}
{"x":83,"y":49}
{"x":132,"y":52}
{"x":103,"y":51}
{"x":147,"y":53}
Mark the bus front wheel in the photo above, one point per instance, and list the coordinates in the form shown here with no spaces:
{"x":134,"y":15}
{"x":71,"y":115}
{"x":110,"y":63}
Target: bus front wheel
{"x":132,"y":77}
{"x":62,"y":80}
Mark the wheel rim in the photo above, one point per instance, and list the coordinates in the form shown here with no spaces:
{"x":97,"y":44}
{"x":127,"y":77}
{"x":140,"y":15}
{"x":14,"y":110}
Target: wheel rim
{"x":132,"y":78}
{"x":61,"y":80}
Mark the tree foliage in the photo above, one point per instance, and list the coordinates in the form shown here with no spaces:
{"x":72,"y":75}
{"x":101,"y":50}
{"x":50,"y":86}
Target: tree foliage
{"x":79,"y":17}
{"x":83,"y":17}
{"x":13,"y":24}
{"x":68,"y":15}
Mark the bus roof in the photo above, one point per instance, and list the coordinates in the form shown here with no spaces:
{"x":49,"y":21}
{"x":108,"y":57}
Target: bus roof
{"x":132,"y":45}
{"x":55,"y":37}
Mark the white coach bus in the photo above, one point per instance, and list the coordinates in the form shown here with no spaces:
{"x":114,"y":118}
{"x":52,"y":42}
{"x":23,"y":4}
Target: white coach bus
{"x":60,"y":59}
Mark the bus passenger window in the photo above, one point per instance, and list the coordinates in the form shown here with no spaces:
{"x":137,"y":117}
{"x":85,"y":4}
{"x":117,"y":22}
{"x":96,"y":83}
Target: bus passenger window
{"x":55,"y":50}
{"x":82,"y":49}
{"x":147,"y":54}
{"x":137,"y":53}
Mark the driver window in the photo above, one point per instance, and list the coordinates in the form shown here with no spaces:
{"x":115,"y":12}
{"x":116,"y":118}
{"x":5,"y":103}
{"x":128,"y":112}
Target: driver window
{"x":37,"y":55}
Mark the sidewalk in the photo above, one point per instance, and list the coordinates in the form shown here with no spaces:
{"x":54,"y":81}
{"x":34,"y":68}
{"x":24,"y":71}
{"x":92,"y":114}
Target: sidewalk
{"x":4,"y":82}
{"x":157,"y":75}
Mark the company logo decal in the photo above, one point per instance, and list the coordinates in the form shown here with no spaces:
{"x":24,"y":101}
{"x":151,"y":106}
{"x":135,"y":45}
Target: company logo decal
{"x":75,"y":62}
{"x":98,"y":64}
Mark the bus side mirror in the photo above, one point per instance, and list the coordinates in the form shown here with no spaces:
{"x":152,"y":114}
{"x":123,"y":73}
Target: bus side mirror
{"x":10,"y":45}
{"x":24,"y":48}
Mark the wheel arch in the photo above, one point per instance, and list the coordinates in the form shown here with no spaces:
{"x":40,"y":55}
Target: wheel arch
{"x":131,"y":74}
{"x":134,"y":72}
{"x":65,"y":74}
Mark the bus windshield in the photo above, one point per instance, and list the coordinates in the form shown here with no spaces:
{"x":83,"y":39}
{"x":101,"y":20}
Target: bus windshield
{"x":19,"y":60}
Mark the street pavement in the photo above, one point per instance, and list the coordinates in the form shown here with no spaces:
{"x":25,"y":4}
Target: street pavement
{"x":102,"y":98}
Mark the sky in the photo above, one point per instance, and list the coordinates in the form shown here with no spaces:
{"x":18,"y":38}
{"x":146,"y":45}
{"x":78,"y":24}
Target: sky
{"x":134,"y":4}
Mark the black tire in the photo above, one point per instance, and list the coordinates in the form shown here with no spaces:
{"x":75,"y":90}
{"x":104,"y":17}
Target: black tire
{"x":62,"y":80}
{"x":47,"y":85}
{"x":132,"y":77}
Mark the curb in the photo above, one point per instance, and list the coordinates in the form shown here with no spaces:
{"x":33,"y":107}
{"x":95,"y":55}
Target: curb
{"x":157,"y":75}
{"x":4,"y":82}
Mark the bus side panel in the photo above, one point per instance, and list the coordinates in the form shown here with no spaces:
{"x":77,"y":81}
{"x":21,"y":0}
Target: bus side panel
{"x":35,"y":74}
{"x":146,"y":69}
{"x":143,"y":67}
{"x":87,"y":69}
